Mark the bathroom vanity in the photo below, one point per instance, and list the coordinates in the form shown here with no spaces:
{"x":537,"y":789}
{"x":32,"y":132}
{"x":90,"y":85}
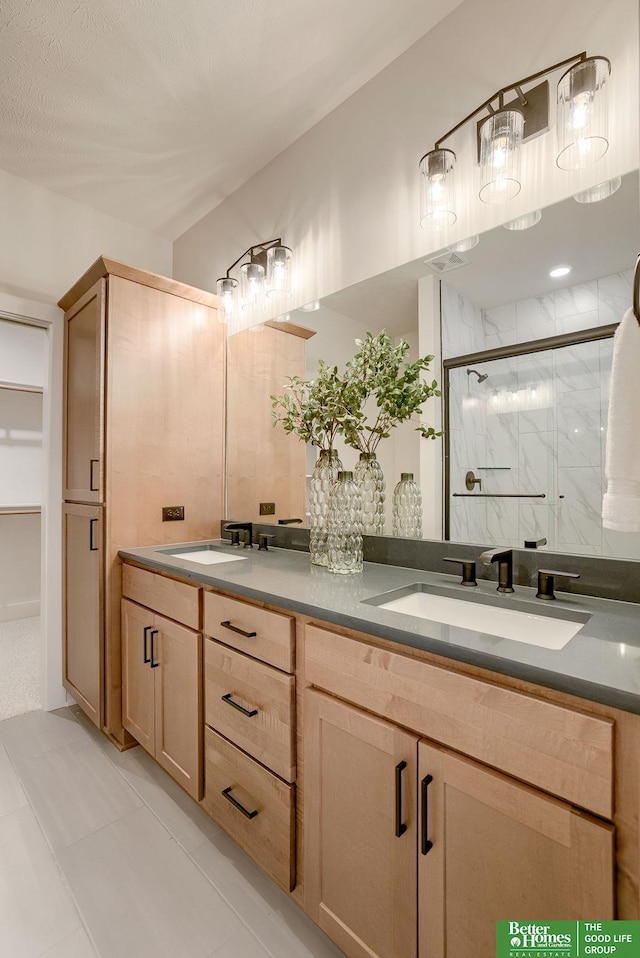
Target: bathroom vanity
{"x":408,"y":781}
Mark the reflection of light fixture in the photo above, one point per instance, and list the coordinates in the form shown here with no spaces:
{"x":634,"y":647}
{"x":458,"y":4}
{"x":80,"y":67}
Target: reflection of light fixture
{"x":559,"y":271}
{"x":582,"y":114}
{"x":266,"y":271}
{"x":599,"y":192}
{"x":311,"y":307}
{"x":524,"y":222}
{"x":582,"y":133}
{"x":464,"y":245}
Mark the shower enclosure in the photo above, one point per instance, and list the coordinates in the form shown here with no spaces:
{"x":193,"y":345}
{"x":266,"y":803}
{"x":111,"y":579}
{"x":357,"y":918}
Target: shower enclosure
{"x":530,"y":428}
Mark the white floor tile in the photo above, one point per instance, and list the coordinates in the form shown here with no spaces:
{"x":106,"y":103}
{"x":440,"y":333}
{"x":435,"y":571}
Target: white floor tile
{"x":141,"y":895}
{"x":36,"y":732}
{"x":186,"y":821}
{"x":75,"y":790}
{"x":242,"y":944}
{"x":36,"y":910}
{"x":277,"y":922}
{"x":101,"y":740}
{"x":76,"y":946}
{"x":12,"y":794}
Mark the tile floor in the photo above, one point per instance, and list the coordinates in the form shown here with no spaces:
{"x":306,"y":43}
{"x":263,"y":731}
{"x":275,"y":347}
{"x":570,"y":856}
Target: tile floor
{"x":102,"y":854}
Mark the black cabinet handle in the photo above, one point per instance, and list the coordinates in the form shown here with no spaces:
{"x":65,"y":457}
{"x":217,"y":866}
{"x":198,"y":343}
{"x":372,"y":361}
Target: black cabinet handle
{"x":227,"y":698}
{"x":147,"y":657}
{"x":400,"y":826}
{"x":236,"y":804}
{"x":154,"y":664}
{"x":233,"y":628}
{"x":92,"y":488}
{"x":425,"y":844}
{"x":92,"y":546}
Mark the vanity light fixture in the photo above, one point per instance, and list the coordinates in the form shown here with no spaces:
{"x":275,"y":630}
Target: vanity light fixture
{"x":265,"y":271}
{"x":599,"y":192}
{"x":465,"y":245}
{"x":582,"y":135}
{"x":524,"y":222}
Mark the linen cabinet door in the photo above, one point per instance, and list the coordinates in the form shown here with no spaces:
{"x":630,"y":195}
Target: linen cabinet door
{"x":494,"y":849}
{"x":176,"y":654}
{"x":137,"y":676}
{"x":84,"y":397}
{"x":360,"y":829}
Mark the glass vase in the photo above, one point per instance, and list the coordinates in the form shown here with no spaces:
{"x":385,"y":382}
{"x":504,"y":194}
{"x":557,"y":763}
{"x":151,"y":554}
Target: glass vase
{"x":368,"y":475}
{"x":344,"y":540}
{"x":407,"y":508}
{"x":324,"y":474}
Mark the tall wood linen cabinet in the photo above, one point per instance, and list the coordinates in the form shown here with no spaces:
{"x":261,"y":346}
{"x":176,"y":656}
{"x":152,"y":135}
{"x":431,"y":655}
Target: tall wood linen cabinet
{"x":144,"y":429}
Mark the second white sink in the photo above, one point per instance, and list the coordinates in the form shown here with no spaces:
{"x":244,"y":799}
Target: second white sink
{"x":544,"y":630}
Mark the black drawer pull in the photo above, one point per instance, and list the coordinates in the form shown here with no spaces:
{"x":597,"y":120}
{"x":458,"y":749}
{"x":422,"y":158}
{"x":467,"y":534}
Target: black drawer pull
{"x":425,"y":844}
{"x":147,"y":657}
{"x":227,"y":698}
{"x":93,"y":488}
{"x":229,"y":797}
{"x":154,"y":664}
{"x":400,"y":826}
{"x":233,"y":628}
{"x":92,"y":546}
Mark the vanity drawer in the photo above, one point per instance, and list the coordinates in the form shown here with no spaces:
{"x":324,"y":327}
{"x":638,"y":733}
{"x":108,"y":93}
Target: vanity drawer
{"x":564,"y":752}
{"x":267,"y":694}
{"x":176,"y":600}
{"x":265,"y":635}
{"x":265,"y":829}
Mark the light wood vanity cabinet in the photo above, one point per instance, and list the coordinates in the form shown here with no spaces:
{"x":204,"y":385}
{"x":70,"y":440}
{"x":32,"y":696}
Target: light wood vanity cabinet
{"x":384,"y":804}
{"x":162,"y":675}
{"x":144,"y":427}
{"x":249,"y":736}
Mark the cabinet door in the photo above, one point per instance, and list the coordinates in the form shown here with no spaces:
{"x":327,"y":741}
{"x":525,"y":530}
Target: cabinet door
{"x":177,"y":664}
{"x":84,"y":397}
{"x":137,"y":675}
{"x":360,"y":829}
{"x":83,"y":640}
{"x":501,"y":850}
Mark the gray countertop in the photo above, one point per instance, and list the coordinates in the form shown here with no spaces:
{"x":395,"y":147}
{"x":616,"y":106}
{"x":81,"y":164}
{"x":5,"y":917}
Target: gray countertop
{"x":601,"y":663}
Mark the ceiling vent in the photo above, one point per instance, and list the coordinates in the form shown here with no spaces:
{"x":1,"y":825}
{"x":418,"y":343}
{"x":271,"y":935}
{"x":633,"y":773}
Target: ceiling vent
{"x":445,"y":262}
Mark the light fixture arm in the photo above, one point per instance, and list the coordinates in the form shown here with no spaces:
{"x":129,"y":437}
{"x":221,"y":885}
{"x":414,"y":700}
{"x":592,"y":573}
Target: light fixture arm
{"x":256,"y":254}
{"x":516,"y":87}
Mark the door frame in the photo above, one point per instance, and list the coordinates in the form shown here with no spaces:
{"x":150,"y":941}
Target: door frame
{"x":51,"y":319}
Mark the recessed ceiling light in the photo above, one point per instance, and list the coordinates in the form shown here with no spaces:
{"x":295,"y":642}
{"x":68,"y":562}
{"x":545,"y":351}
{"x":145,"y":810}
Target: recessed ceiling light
{"x":558,"y":271}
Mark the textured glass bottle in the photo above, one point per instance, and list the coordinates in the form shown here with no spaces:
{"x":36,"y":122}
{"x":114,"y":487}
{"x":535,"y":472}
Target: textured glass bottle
{"x":368,"y":475}
{"x":324,"y":474}
{"x":407,"y":508}
{"x":344,"y":541}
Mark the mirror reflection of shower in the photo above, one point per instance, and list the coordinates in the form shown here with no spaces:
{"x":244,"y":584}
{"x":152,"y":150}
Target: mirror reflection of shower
{"x":481,"y":376}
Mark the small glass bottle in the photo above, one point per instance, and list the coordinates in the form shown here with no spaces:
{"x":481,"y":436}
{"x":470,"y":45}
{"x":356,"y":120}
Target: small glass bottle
{"x":407,"y":508}
{"x":344,"y":524}
{"x":325,"y":472}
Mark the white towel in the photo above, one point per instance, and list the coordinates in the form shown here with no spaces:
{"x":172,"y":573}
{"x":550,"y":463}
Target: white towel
{"x":621,"y":503}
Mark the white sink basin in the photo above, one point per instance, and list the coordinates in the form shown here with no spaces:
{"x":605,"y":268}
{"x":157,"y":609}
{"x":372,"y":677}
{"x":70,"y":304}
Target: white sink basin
{"x":548,"y":631}
{"x":205,"y":556}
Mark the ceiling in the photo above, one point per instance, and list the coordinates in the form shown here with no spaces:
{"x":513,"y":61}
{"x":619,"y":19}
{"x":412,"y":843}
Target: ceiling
{"x":155,"y":110}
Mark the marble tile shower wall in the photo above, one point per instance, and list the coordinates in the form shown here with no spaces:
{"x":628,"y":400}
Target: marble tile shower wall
{"x":538,"y":423}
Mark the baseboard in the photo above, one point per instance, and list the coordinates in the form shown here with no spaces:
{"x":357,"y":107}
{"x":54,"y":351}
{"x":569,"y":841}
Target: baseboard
{"x":19,"y":610}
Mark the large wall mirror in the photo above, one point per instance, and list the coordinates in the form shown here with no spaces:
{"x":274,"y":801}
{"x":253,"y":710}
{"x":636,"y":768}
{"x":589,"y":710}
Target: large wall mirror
{"x":529,"y":423}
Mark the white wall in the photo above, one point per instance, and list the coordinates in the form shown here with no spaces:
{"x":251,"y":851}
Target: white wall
{"x":345,"y":196}
{"x":48,"y":241}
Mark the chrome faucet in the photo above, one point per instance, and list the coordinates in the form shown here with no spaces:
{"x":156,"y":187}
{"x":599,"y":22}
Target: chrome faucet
{"x":238,"y":527}
{"x":504,"y":558}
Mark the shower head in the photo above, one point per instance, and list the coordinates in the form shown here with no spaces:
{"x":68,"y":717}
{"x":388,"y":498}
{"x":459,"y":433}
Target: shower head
{"x":481,"y":376}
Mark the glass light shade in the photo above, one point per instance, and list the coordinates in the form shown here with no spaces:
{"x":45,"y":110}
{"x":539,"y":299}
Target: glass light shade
{"x":583,"y":136}
{"x":252,"y":277}
{"x":226,"y":289}
{"x":599,"y":192}
{"x":500,"y":142}
{"x":462,"y":246}
{"x":436,"y":194}
{"x":524,"y":222}
{"x":279,"y":271}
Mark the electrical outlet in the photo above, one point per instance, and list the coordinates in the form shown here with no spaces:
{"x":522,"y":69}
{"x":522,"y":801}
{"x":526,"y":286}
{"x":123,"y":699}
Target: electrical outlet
{"x":172,"y":513}
{"x":267,"y":508}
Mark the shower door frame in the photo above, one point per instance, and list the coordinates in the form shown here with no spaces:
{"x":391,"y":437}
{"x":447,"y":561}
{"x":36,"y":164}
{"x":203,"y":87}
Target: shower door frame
{"x":593,"y":334}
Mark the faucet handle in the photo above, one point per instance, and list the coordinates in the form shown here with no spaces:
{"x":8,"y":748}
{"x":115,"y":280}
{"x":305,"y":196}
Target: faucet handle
{"x":468,"y":570}
{"x":263,"y":540}
{"x":546,"y":581}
